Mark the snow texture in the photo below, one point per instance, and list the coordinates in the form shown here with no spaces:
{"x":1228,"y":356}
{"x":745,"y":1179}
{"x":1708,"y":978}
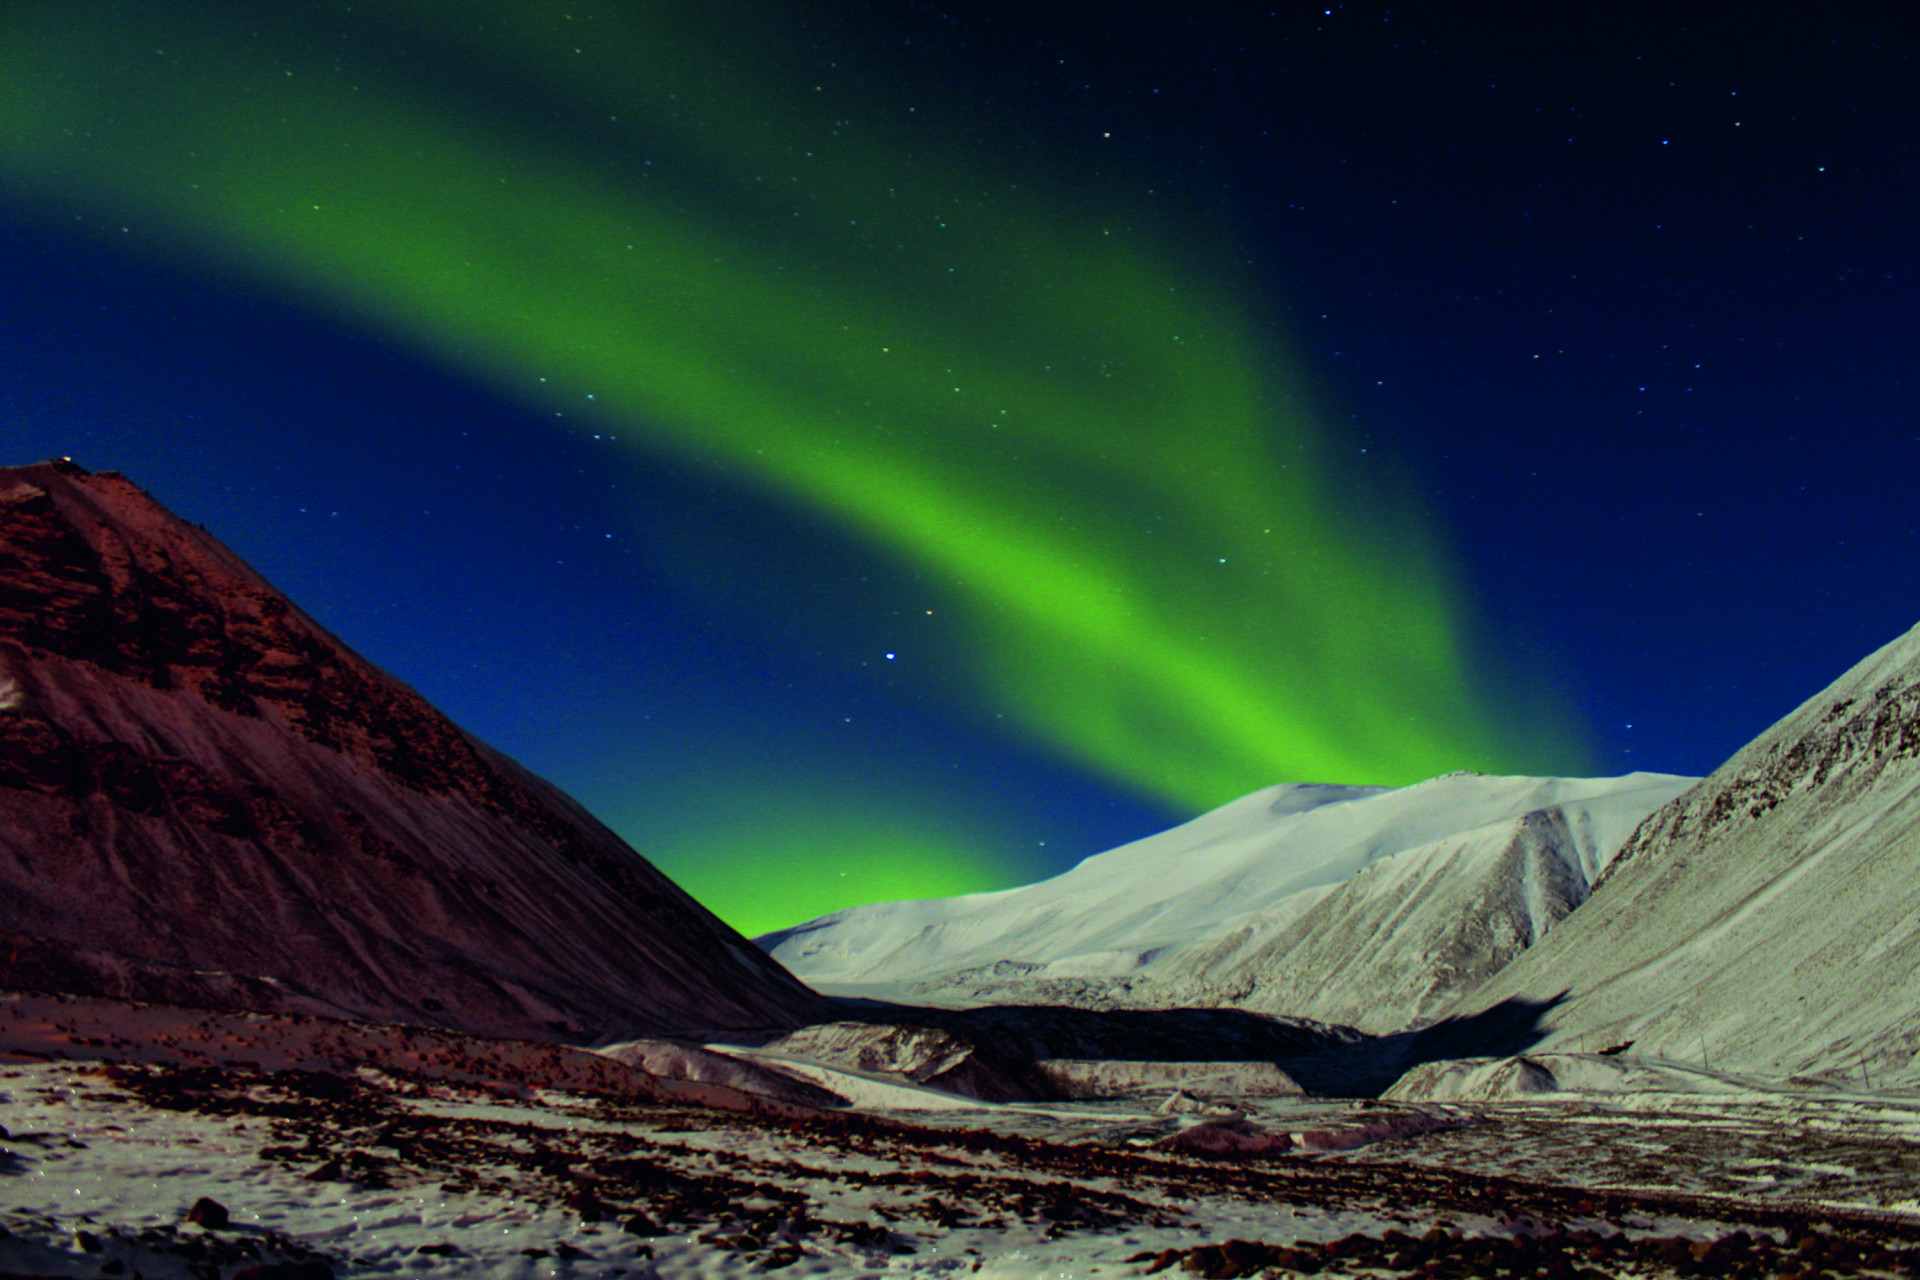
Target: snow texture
{"x":524,"y":1161}
{"x":1768,"y":921}
{"x":1364,"y":906}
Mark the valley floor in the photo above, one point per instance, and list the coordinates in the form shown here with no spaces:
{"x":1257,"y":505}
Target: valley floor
{"x":389,"y":1174}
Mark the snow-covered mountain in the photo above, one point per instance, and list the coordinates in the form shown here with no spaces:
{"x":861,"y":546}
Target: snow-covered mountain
{"x":1768,"y":921}
{"x":205,"y":799}
{"x":1367,"y":906}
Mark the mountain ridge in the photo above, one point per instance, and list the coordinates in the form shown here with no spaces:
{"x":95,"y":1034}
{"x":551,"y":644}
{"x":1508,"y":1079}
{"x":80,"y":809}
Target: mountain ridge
{"x":198,"y":779}
{"x":1768,"y":921}
{"x":1257,"y":905}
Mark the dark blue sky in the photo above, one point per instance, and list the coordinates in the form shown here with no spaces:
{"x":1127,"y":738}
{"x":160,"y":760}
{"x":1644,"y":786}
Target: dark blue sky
{"x":1629,"y":307}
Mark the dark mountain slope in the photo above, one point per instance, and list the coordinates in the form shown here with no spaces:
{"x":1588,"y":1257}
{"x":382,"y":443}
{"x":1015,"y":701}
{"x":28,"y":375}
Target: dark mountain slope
{"x":207,"y":799}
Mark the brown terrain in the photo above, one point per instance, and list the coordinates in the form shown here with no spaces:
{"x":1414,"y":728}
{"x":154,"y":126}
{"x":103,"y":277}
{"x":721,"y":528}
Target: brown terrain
{"x":207,"y":800}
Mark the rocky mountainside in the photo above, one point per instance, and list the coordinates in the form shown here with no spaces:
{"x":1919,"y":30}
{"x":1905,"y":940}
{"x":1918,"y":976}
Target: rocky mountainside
{"x":1362,"y":906}
{"x":1389,"y":947}
{"x":206,"y":799}
{"x":1768,"y":921}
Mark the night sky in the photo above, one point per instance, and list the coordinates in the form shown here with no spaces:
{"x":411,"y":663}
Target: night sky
{"x":882,"y":450}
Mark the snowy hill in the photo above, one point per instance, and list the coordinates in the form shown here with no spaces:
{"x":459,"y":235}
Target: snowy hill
{"x":1768,"y":921}
{"x":1367,"y":906}
{"x":207,"y":800}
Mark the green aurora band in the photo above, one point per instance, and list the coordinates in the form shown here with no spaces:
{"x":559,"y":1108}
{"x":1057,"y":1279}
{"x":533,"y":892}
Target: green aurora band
{"x":748,"y":864}
{"x":1058,"y":411}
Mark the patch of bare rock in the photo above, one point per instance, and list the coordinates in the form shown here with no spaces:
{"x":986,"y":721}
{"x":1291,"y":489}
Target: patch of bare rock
{"x":1558,"y":1255}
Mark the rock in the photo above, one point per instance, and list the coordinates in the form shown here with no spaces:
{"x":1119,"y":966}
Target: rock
{"x":311,"y":1269}
{"x":1226,"y":1137}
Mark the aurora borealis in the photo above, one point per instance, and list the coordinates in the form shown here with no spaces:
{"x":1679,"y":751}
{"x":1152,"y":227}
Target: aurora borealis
{"x":957,"y":473}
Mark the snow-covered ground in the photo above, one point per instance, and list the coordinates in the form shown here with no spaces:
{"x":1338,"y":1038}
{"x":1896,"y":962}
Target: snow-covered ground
{"x":409,"y":1166}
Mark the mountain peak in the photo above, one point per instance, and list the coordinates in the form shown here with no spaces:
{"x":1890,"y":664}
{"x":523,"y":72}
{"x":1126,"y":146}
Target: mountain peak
{"x":206,"y":797}
{"x":1370,"y":906}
